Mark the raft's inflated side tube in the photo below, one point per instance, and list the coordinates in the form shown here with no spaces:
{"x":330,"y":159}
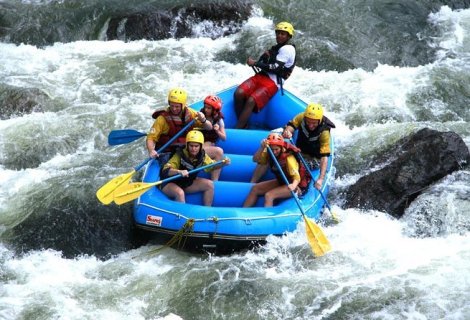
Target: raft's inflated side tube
{"x":240,"y":169}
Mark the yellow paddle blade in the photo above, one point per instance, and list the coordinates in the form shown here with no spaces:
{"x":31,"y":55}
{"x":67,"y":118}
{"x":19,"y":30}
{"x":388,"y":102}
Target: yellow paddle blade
{"x":132,"y":191}
{"x":105,"y":193}
{"x":316,"y":238}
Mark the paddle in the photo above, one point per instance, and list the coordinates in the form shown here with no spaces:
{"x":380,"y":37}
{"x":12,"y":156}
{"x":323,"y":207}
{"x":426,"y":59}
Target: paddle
{"x":105,"y":193}
{"x":315,"y":236}
{"x":124,"y":136}
{"x":333,"y":215}
{"x":133,"y":190}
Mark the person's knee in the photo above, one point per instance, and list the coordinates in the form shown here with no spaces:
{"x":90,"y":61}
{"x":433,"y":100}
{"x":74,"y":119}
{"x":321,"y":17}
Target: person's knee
{"x":258,"y":173}
{"x":250,"y":103}
{"x":179,"y":194}
{"x":208,"y":185}
{"x":218,"y":153}
{"x":268,"y":196}
{"x":239,"y":93}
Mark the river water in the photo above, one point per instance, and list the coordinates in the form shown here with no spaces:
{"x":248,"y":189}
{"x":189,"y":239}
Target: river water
{"x":63,"y":255}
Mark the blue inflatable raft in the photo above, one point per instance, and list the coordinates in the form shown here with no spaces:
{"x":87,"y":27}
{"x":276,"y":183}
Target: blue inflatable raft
{"x":227,"y":226}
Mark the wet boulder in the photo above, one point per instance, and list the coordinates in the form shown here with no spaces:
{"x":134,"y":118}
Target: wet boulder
{"x":455,"y":4}
{"x":15,"y":101}
{"x":407,"y":169}
{"x":210,"y":19}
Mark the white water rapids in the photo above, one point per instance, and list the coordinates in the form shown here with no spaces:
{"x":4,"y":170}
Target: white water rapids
{"x":380,"y":268}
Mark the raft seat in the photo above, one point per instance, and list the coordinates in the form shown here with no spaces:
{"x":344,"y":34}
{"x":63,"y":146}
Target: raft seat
{"x":234,"y":184}
{"x":244,"y":142}
{"x":241,"y":169}
{"x":226,"y":194}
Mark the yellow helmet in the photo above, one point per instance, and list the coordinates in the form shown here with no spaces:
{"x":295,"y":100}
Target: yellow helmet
{"x":314,"y":111}
{"x":195,"y":136}
{"x":285,"y":26}
{"x":177,"y":95}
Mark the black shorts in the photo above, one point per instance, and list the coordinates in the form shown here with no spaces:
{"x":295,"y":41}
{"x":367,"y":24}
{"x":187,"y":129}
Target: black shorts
{"x":182,"y":182}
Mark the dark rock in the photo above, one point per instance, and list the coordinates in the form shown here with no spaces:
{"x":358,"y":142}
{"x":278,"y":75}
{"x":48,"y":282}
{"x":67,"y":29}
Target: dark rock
{"x":416,"y":162}
{"x":455,"y":4}
{"x":71,"y":220}
{"x":18,"y":101}
{"x":223,"y":19}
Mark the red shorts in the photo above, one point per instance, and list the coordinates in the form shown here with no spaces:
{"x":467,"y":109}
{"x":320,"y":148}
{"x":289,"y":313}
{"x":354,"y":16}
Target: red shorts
{"x":261,"y":88}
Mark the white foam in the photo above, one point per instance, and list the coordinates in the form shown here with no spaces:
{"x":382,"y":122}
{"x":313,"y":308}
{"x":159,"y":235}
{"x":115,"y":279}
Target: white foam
{"x":454,"y":27}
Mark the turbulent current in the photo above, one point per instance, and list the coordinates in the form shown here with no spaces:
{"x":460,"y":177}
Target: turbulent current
{"x":382,"y":70}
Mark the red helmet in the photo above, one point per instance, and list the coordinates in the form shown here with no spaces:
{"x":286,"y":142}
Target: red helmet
{"x":213,"y":101}
{"x":275,"y":139}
